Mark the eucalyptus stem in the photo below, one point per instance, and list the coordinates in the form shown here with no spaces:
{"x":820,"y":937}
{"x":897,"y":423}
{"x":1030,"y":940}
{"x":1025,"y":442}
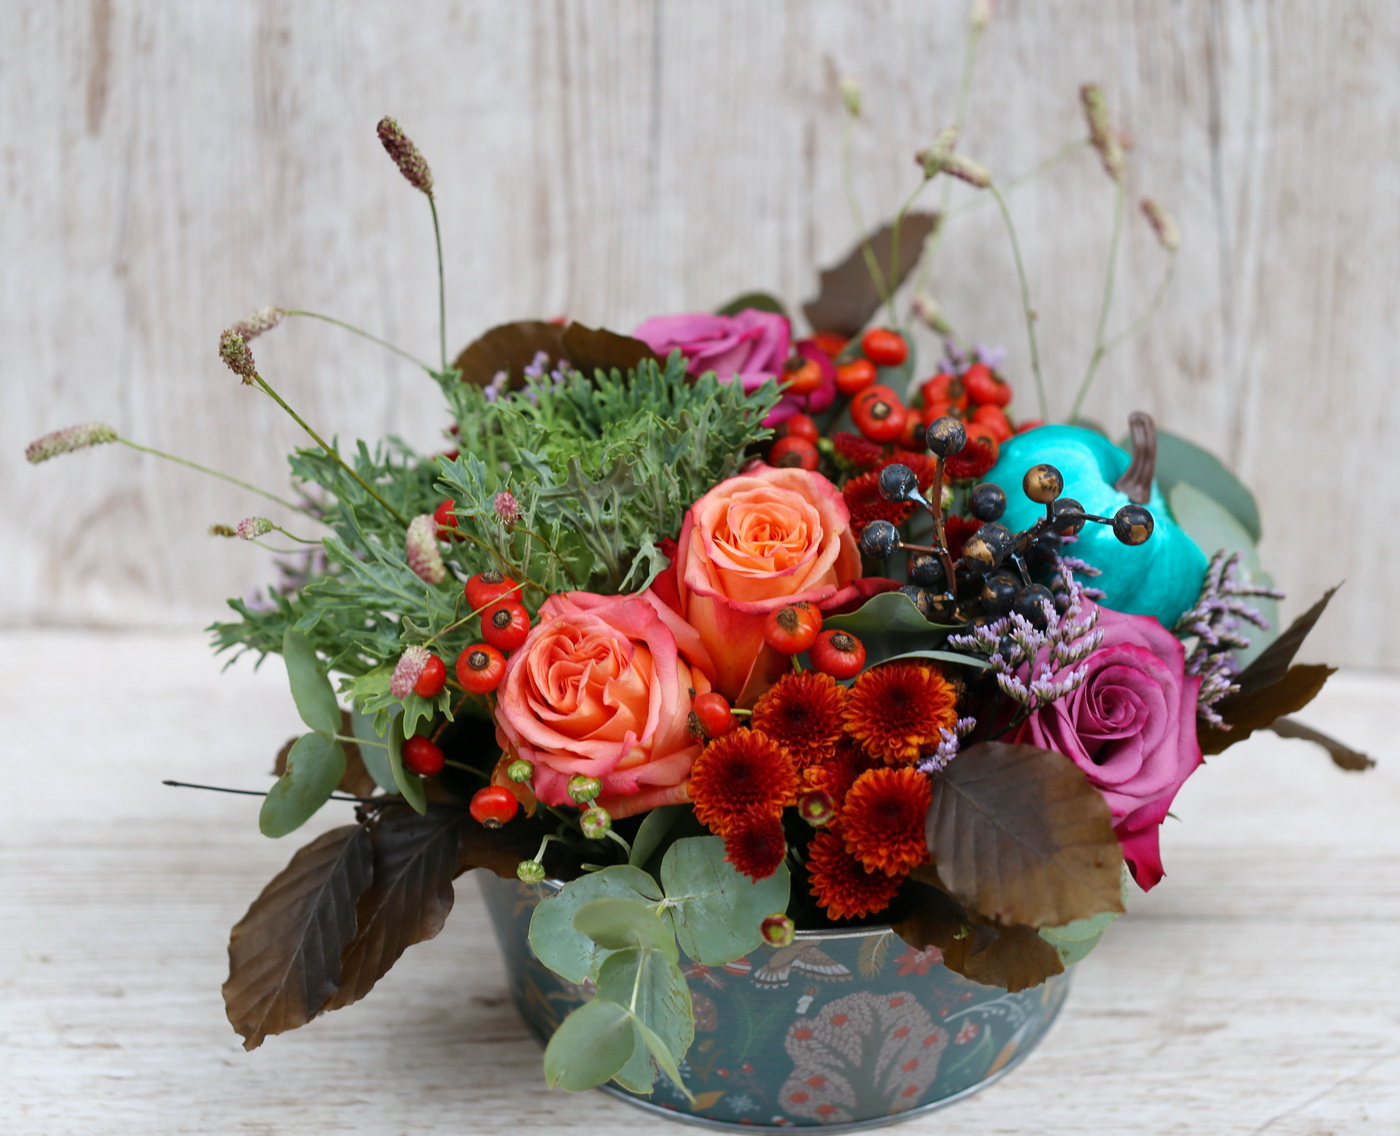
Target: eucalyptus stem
{"x":364,"y":334}
{"x":442,"y":286}
{"x":297,"y":418}
{"x":872,"y":264}
{"x":1099,"y":350}
{"x":215,"y":473}
{"x":1025,"y":298}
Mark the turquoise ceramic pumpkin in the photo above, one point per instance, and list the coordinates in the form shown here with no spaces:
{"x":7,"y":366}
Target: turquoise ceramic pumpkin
{"x":1162,"y":577}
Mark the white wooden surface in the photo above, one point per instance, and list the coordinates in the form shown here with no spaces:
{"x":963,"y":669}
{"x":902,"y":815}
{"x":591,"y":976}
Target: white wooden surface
{"x":1254,"y":992}
{"x":169,"y":166}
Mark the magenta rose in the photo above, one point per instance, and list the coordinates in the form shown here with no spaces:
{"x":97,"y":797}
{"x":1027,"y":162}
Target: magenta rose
{"x":1131,"y":727}
{"x":751,"y":346}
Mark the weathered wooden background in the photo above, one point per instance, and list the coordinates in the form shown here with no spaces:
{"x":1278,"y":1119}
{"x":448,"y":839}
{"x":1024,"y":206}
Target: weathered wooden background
{"x":170,"y":165}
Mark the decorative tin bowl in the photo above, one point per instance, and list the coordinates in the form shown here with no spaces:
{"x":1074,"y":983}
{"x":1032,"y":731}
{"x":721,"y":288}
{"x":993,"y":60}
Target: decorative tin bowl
{"x":843,"y":1030}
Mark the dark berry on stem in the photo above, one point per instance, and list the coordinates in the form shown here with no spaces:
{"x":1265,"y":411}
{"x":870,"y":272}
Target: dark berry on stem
{"x":1043,"y":483}
{"x":1067,"y":516}
{"x":987,"y":501}
{"x":988,"y":546}
{"x":1030,"y":604}
{"x":1132,"y":524}
{"x":922,"y":599}
{"x":946,"y":436}
{"x":926,"y":571}
{"x":878,"y":539}
{"x":999,"y":593}
{"x":898,"y":483}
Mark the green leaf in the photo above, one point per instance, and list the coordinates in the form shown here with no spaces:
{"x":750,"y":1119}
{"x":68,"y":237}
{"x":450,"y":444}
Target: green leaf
{"x":890,"y":626}
{"x":409,"y":784}
{"x":670,"y":1064}
{"x":952,"y":657}
{"x":758,"y":301}
{"x":1180,"y":461}
{"x":374,"y":755}
{"x":717,"y":912}
{"x":315,"y":766}
{"x":568,"y":952}
{"x":590,"y":1046}
{"x":654,"y":827}
{"x":652,"y":989}
{"x":311,"y":689}
{"x":616,"y":924}
{"x":1074,"y":940}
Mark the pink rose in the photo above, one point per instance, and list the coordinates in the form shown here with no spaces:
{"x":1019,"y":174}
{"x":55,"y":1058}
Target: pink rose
{"x":1131,"y":727}
{"x":752,"y":345}
{"x":751,"y":545}
{"x":603,"y":687}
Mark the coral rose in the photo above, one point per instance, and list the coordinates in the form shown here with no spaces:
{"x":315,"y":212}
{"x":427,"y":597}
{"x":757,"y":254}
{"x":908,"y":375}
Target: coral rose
{"x":1131,"y":727}
{"x":755,"y":543}
{"x":603,"y":686}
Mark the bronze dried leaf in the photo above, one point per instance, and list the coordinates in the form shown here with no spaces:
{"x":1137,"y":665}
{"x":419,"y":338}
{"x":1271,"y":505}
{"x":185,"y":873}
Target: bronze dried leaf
{"x":846,"y":295}
{"x":285,"y":953}
{"x":415,"y":859}
{"x":1272,"y":664}
{"x":1263,"y":706}
{"x":597,"y":349}
{"x":1343,"y":756}
{"x":511,"y":347}
{"x":1014,"y":957}
{"x":1019,"y":835}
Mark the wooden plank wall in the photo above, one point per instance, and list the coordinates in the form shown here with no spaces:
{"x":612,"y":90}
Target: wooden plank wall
{"x":169,"y":166}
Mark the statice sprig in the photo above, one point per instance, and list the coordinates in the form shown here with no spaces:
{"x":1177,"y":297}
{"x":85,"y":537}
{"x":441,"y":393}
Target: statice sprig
{"x":1036,"y":667}
{"x":1216,"y":622}
{"x":949,"y":747}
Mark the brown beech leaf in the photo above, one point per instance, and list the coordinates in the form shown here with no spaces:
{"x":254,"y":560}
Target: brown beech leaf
{"x":512,"y":347}
{"x":846,"y":296}
{"x":1019,"y":835}
{"x":1262,"y":707}
{"x":407,"y":902}
{"x":1273,"y":663}
{"x":284,"y":955}
{"x":1014,"y":957}
{"x":498,"y":850}
{"x":1343,"y":756}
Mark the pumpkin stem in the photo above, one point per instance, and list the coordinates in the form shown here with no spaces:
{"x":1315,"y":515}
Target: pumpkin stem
{"x":1136,"y":481}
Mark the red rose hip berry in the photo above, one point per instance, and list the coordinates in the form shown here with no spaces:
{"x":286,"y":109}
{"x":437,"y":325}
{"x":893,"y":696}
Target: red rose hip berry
{"x":422,"y":756}
{"x":487,"y":587}
{"x":431,"y":679}
{"x":505,"y":625}
{"x":884,"y":347}
{"x":790,"y":630}
{"x":480,"y":669}
{"x":713,"y":712}
{"x":493,"y":806}
{"x":838,"y":654}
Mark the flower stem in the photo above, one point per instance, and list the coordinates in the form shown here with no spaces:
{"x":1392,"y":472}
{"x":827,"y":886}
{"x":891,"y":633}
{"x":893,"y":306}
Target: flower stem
{"x":872,"y":265}
{"x":1099,"y":349}
{"x":1025,"y":298}
{"x":215,"y":473}
{"x":1021,"y":179}
{"x":1148,"y":312}
{"x":297,"y":418}
{"x":363,"y":334}
{"x":442,"y":287}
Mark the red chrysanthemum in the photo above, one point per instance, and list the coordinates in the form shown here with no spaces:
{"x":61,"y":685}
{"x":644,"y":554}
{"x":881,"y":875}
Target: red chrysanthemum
{"x":883,"y":819}
{"x":755,"y":845}
{"x":743,"y":772}
{"x":856,"y":452}
{"x":866,"y":503}
{"x":971,"y":462}
{"x":956,"y":530}
{"x":898,"y":711}
{"x":841,"y":884}
{"x":837,"y":773}
{"x":802,"y":713}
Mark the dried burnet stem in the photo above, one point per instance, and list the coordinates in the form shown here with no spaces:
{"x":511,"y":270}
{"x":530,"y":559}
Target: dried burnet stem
{"x":255,"y":323}
{"x":69,"y":440}
{"x":1163,"y":224}
{"x":406,"y":155}
{"x":937,"y":155}
{"x":980,"y":14}
{"x":965,"y":169}
{"x":421,"y":547}
{"x":407,"y":671}
{"x":1104,"y":138}
{"x":927,"y":310}
{"x":222,"y":530}
{"x":250,"y":528}
{"x":233,"y":350}
{"x":850,"y":95}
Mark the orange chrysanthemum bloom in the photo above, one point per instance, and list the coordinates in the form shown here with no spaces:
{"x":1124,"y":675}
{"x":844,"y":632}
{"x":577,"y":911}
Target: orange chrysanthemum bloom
{"x":865,"y":503}
{"x":883,"y":819}
{"x":837,"y":773}
{"x":897,"y":711}
{"x":802,"y":713}
{"x":841,"y":884}
{"x":743,"y":772}
{"x":755,"y":845}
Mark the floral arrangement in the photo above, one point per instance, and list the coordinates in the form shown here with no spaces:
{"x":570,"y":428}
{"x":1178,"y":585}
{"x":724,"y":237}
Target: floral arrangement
{"x":720,"y":629}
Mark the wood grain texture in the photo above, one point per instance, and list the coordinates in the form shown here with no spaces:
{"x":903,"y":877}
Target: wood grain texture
{"x":1253,"y":992}
{"x":169,"y":166}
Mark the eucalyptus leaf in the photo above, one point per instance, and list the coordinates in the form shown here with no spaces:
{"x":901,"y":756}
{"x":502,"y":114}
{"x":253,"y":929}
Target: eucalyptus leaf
{"x":372,"y":752}
{"x":653,"y":830}
{"x":617,"y":924}
{"x":590,"y":1046}
{"x":670,"y":1065}
{"x":311,"y":688}
{"x":652,"y":989}
{"x":1074,"y":940}
{"x":407,"y":783}
{"x":942,"y":657}
{"x":1180,"y":461}
{"x":569,"y":952}
{"x":315,"y":766}
{"x":718,"y":912}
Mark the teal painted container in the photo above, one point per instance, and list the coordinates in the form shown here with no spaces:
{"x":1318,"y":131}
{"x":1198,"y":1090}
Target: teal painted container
{"x":841,"y":1031}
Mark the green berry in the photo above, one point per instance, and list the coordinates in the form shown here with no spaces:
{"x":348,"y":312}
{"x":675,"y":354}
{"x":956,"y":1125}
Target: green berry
{"x":595,"y":822}
{"x":520,"y":771}
{"x":583,"y":789}
{"x":529,"y":871}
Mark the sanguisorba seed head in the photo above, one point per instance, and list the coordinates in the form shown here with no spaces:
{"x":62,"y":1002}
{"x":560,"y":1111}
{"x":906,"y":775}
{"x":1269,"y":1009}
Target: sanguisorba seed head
{"x":406,"y":155}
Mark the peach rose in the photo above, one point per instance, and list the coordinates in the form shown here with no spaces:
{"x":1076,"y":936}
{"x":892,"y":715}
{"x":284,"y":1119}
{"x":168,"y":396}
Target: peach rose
{"x":755,"y":543}
{"x":603,"y":687}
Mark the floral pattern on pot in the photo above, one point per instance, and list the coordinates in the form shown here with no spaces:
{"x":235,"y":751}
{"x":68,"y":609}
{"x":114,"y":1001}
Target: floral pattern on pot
{"x":847,"y":1031}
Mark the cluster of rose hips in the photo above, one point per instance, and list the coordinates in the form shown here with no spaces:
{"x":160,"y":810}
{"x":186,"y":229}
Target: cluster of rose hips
{"x":993,"y":575}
